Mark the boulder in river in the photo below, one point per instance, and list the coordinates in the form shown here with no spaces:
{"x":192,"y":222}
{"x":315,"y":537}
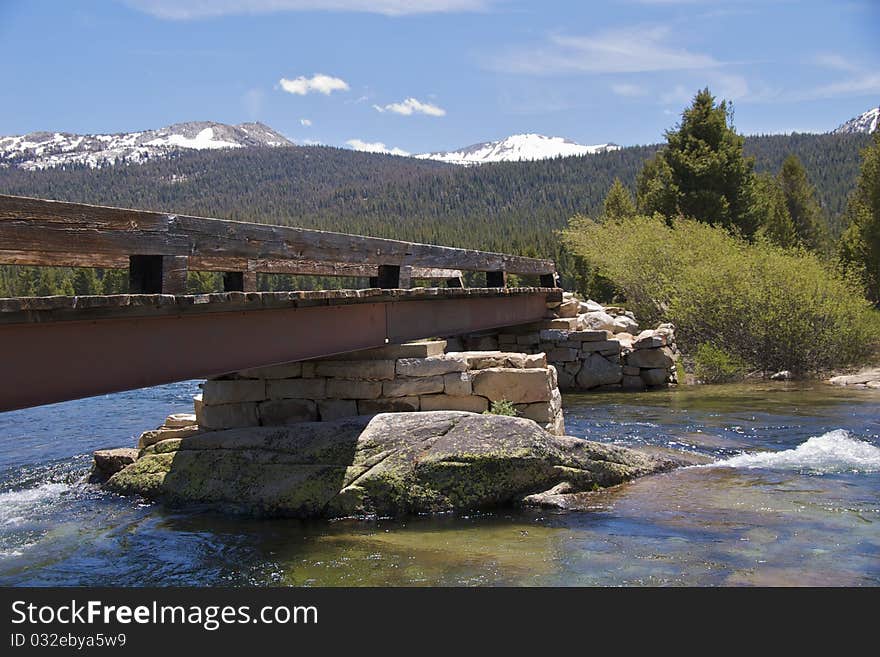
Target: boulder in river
{"x":390,"y":464}
{"x":110,"y":461}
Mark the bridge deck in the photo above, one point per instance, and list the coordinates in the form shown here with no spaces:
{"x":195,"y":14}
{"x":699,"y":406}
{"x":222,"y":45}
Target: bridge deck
{"x":60,"y":348}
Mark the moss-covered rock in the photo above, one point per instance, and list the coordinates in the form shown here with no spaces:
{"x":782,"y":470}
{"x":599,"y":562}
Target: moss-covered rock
{"x":391,"y":464}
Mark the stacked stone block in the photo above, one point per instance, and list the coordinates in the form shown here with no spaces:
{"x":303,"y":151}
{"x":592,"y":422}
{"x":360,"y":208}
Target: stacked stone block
{"x":418,"y":376}
{"x":591,"y":346}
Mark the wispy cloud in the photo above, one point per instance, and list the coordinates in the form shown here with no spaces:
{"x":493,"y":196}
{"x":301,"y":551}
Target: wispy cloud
{"x":374,"y":147}
{"x":836,"y":62}
{"x":411,"y":106}
{"x":860,"y":85}
{"x":305,"y":122}
{"x":858,"y":81}
{"x":626,"y":89}
{"x":724,"y":86}
{"x":678,"y":95}
{"x":195,"y":9}
{"x":320,"y":83}
{"x":637,"y":49}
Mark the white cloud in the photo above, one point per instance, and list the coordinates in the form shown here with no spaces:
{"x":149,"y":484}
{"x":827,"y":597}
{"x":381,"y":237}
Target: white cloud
{"x":320,"y":83}
{"x":626,"y":89}
{"x":305,"y":122}
{"x":195,"y":9}
{"x":638,"y":49}
{"x":374,"y":147}
{"x":411,"y":106}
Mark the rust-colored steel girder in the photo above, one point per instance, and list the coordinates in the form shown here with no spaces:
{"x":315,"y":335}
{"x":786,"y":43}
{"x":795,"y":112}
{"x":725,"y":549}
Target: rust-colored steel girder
{"x":47,"y":362}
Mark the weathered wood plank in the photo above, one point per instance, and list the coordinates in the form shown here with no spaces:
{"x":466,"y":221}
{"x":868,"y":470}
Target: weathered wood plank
{"x":221,"y":264}
{"x":28,"y":224}
{"x":43,"y":259}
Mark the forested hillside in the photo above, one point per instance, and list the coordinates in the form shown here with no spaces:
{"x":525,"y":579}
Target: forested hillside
{"x":511,"y":207}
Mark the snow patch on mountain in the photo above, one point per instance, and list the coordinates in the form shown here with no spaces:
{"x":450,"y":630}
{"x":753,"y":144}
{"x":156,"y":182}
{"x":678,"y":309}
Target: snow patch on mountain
{"x":866,"y":122}
{"x":517,"y":148}
{"x":42,"y":150}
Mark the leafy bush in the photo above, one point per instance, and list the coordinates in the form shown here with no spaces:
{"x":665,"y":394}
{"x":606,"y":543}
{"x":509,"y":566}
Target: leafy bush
{"x":771,"y":308}
{"x":502,"y":407}
{"x":712,"y":364}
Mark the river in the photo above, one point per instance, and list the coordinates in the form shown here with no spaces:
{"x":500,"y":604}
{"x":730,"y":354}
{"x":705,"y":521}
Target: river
{"x":791,"y":496}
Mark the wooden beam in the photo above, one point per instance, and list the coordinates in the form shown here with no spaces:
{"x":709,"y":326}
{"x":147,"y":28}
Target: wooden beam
{"x":43,"y":259}
{"x":28,"y":224}
{"x":435,"y":273}
{"x":201,"y":263}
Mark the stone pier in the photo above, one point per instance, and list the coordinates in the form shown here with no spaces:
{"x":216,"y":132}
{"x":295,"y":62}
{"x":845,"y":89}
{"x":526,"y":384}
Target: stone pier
{"x":418,"y":376}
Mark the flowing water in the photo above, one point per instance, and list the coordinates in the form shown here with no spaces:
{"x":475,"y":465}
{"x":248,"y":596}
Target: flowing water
{"x":790,"y":495}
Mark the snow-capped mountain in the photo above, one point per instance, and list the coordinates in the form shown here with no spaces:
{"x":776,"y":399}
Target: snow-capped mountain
{"x":517,"y":148}
{"x":866,"y":122}
{"x":41,"y":150}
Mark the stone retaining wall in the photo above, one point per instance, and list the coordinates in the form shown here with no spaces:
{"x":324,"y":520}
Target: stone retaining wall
{"x":419,"y":376}
{"x":592,"y":346}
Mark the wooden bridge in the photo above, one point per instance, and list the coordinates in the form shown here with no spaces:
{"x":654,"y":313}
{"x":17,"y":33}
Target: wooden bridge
{"x":58,"y":348}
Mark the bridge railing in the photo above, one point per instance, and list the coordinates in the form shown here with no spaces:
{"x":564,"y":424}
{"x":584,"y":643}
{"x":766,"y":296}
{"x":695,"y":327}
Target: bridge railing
{"x":160,"y":248}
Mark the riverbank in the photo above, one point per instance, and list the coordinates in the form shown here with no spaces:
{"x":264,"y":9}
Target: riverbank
{"x":780,"y":519}
{"x":866,"y":378}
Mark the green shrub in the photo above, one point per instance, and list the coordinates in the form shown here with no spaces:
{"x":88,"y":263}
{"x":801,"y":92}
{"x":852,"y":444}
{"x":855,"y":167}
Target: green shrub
{"x":712,"y":364}
{"x":770,"y":308}
{"x":502,"y":407}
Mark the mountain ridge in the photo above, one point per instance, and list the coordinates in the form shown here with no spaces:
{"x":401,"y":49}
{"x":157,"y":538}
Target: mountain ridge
{"x":523,"y":147}
{"x":864,"y":122}
{"x":47,"y":150}
{"x":44,"y":149}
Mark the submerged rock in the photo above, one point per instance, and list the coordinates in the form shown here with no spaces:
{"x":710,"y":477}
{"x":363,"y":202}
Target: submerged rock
{"x":391,"y":464}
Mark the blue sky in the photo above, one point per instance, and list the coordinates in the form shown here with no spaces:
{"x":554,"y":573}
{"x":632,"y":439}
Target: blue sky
{"x":435,"y":74}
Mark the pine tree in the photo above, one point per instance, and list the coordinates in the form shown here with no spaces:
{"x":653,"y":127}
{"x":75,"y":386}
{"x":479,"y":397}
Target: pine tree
{"x":85,"y":281}
{"x":804,"y":210}
{"x":656,"y":191}
{"x":618,"y":202}
{"x":859,"y":247}
{"x":772,"y":212}
{"x":711,"y":180}
{"x":114,"y":281}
